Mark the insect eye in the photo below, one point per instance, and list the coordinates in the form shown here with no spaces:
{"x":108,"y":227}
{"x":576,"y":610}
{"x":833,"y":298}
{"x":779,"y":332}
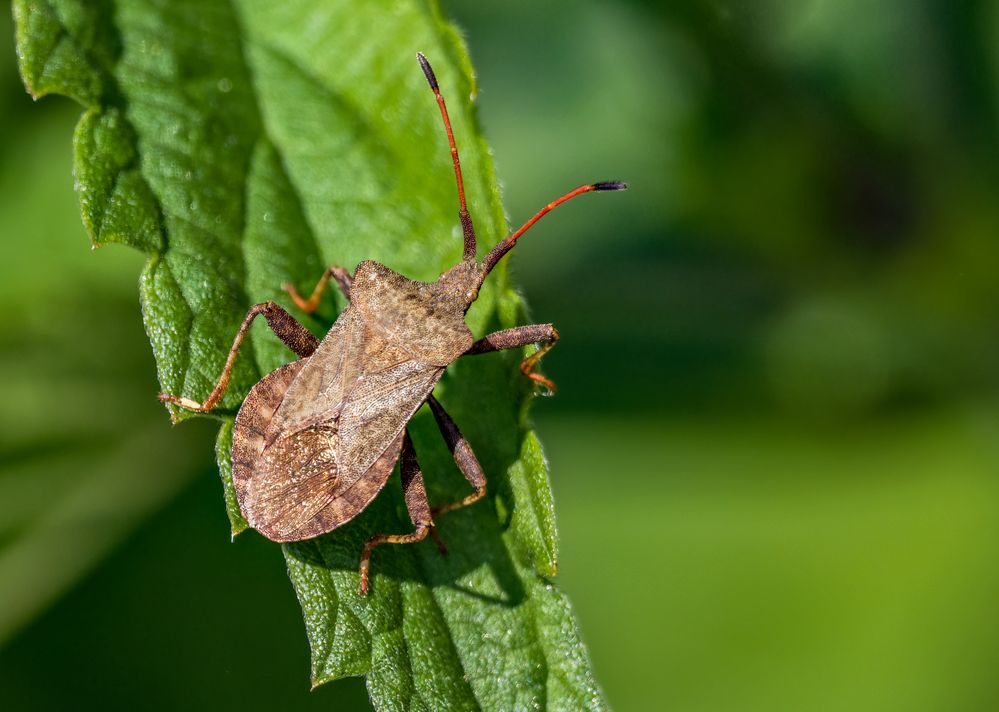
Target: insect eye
{"x":472,"y":294}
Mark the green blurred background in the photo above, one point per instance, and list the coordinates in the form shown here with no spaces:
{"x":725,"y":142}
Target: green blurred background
{"x":776,"y":440}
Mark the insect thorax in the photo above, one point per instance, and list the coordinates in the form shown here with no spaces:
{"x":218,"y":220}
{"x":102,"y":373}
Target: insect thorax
{"x":424,"y":319}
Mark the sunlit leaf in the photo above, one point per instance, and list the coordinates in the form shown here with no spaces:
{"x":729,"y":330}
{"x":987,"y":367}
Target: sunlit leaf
{"x":247,"y":144}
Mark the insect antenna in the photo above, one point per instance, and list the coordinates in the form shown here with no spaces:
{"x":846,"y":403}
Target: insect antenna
{"x":466,"y":220}
{"x":496,"y":254}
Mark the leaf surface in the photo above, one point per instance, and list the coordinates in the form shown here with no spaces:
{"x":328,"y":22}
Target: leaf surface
{"x":246,"y":144}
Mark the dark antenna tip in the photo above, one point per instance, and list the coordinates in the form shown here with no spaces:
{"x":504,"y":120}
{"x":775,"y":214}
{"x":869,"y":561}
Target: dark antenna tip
{"x":611,"y":185}
{"x":428,"y":70}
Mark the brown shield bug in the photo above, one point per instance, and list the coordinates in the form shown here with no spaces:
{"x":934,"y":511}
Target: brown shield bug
{"x":317,"y":439}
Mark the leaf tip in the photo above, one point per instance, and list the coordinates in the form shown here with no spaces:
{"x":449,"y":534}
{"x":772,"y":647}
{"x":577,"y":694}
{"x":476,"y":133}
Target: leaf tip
{"x":319,"y":679}
{"x":235,"y":529}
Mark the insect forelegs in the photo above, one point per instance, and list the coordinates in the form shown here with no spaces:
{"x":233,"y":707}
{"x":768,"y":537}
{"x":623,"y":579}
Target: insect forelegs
{"x":544,"y":334}
{"x":415,"y":492}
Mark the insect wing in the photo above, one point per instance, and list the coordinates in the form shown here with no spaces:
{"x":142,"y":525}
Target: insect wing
{"x":319,"y":389}
{"x":325,"y":445}
{"x":378,"y":409}
{"x":298,"y":492}
{"x":293,"y":490}
{"x":361,"y":381}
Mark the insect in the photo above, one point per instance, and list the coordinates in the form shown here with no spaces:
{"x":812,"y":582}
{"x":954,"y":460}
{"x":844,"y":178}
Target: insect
{"x":317,"y":439}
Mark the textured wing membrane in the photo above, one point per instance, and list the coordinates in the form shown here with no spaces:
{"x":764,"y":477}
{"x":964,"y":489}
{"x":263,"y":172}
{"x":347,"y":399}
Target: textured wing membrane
{"x":297,"y":492}
{"x":252,"y":421}
{"x":379,"y":408}
{"x":293,"y":481}
{"x":294,"y":491}
{"x":362,"y":382}
{"x":316,"y":440}
{"x":318,"y":390}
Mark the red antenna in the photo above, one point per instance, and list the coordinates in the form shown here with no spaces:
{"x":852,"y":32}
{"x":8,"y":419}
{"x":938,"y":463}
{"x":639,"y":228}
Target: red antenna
{"x":496,"y":254}
{"x":466,"y":219}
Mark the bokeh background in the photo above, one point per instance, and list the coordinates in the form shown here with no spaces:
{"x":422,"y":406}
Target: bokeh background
{"x":775,"y":446}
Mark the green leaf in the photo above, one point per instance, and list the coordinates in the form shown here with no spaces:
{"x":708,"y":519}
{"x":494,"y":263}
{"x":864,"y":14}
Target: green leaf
{"x":86,"y":458}
{"x":247,"y":144}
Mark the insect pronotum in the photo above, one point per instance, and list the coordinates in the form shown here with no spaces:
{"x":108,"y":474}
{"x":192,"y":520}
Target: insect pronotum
{"x":317,"y":439}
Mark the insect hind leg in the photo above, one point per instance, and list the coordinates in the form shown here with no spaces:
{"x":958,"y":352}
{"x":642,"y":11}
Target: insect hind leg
{"x":415,"y":493}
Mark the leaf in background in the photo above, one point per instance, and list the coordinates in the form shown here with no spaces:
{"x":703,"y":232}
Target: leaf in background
{"x":247,"y":144}
{"x":85,"y":457}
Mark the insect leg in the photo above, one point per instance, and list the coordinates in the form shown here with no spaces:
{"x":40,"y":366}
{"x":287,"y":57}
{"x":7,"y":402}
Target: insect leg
{"x":295,"y":336}
{"x":343,"y":280}
{"x":415,"y":493}
{"x":463,"y":456}
{"x":544,"y":334}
